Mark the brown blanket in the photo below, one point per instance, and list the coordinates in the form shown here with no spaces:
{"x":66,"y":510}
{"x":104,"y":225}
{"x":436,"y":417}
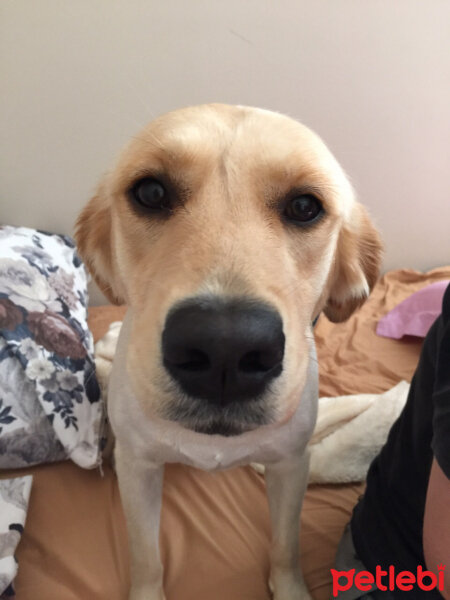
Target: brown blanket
{"x":215,"y":527}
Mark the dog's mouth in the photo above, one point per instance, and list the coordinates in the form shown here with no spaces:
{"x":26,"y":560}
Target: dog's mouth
{"x":235,"y":418}
{"x":219,"y":428}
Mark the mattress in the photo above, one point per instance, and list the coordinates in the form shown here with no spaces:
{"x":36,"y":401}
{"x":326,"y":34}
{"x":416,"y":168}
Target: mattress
{"x":215,"y":529}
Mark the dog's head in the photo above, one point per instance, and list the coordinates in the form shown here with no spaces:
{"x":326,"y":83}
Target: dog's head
{"x":226,"y":230}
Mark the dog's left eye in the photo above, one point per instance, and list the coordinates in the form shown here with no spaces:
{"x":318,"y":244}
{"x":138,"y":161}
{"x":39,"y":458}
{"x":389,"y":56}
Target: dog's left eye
{"x":303,"y":209}
{"x":151,"y":194}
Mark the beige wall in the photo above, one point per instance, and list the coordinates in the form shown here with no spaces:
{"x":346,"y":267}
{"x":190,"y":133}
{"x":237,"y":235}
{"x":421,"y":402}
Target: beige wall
{"x":372,"y":77}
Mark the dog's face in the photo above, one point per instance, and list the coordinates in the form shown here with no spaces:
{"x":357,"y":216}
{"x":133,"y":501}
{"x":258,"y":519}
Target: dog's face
{"x":226,"y":230}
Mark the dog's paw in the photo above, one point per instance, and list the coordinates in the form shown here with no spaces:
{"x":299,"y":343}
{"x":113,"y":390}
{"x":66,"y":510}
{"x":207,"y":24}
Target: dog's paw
{"x":288,"y":584}
{"x":149,"y":592}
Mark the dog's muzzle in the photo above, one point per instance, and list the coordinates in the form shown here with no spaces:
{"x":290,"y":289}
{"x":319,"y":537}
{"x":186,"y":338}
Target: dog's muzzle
{"x":223,"y":351}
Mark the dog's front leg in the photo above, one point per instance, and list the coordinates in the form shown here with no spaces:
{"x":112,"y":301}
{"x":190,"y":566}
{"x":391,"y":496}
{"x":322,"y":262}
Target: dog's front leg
{"x":286,"y":483}
{"x":140,"y":485}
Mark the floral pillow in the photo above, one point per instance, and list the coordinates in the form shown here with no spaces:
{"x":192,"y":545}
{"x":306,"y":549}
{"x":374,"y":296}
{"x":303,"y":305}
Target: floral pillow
{"x":50,"y":405}
{"x":14,"y":497}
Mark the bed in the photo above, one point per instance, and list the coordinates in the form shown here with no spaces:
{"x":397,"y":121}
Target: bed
{"x":215,"y":528}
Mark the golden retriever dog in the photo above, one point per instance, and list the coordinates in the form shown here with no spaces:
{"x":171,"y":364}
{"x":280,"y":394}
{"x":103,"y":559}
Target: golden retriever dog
{"x":226,"y":230}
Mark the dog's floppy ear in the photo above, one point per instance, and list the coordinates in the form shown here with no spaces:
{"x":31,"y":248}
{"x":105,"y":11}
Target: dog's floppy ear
{"x":356,"y":266}
{"x":93,"y":234}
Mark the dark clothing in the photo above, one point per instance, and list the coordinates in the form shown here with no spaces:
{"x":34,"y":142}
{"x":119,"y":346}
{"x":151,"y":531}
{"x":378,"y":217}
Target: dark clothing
{"x":387,"y":522}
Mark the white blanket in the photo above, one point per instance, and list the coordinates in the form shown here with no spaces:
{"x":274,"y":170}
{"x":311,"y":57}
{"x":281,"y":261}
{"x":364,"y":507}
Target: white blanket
{"x":349,"y":433}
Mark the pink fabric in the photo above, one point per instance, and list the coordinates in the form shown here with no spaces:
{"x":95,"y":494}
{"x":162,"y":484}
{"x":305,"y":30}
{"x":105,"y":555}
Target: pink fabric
{"x":416,"y":314}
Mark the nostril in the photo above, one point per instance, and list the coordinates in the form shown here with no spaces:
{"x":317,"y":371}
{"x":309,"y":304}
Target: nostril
{"x":190,"y":359}
{"x":259,"y":361}
{"x":252,"y":363}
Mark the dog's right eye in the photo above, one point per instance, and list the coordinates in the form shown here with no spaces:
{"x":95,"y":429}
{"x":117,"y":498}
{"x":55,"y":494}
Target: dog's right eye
{"x":150,"y":194}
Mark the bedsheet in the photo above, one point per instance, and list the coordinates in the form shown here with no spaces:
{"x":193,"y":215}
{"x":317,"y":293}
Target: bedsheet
{"x":215,"y":528}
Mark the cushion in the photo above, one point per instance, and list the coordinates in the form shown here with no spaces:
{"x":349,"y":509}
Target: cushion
{"x":50,"y":405}
{"x":416,"y":314}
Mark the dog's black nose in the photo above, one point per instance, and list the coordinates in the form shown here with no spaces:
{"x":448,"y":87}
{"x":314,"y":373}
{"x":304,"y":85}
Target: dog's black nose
{"x":223,"y":350}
